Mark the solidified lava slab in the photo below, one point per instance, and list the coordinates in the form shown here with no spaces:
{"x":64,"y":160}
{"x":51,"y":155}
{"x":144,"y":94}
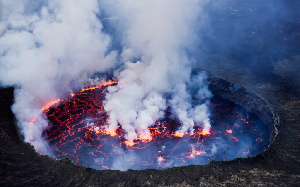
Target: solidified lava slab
{"x":77,"y":130}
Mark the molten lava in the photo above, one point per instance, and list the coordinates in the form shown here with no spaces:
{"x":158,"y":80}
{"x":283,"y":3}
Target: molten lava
{"x":77,"y":129}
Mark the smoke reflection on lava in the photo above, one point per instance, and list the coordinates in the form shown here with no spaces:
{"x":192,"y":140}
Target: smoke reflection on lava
{"x":77,"y":126}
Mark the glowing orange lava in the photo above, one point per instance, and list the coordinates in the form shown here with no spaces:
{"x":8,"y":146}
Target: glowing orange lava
{"x":78,"y":130}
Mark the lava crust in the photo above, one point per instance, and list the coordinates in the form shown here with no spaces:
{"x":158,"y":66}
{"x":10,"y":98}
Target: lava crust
{"x":277,"y":166}
{"x":77,"y":129}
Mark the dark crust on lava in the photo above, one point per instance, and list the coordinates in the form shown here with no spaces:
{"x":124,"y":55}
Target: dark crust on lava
{"x":20,"y":165}
{"x":248,"y":100}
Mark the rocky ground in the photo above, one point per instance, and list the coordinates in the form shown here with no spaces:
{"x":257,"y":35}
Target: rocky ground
{"x":20,"y":165}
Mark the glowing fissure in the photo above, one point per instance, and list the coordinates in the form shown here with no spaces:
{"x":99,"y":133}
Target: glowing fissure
{"x":154,"y":130}
{"x":78,"y":129}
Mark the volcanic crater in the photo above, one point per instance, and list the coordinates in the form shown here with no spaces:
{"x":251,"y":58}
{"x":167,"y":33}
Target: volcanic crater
{"x":21,"y":160}
{"x":76,"y":129}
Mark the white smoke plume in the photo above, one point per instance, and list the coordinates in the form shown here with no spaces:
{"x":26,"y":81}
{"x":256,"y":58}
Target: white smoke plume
{"x":159,"y":32}
{"x":47,"y":52}
{"x":55,"y":47}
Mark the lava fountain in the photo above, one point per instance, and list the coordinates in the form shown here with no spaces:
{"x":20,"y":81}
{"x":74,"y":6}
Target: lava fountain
{"x":77,"y":129}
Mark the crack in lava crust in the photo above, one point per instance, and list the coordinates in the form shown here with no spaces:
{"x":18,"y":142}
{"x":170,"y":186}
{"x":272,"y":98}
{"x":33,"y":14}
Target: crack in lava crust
{"x":77,"y":130}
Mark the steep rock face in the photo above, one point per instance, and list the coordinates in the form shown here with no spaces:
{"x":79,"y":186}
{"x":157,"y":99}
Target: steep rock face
{"x":20,"y":165}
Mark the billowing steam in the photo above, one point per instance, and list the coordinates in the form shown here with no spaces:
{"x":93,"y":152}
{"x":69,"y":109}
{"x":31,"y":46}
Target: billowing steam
{"x":159,"y":32}
{"x":50,"y":49}
{"x":47,"y":52}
